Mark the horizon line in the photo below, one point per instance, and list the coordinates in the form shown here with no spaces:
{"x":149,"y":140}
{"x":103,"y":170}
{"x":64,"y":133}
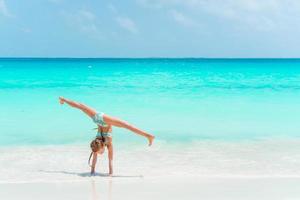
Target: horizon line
{"x":25,"y":57}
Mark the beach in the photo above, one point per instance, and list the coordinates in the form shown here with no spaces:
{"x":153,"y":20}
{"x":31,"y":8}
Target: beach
{"x":248,"y":159}
{"x":207,"y":170}
{"x":225,"y":128}
{"x":164,"y":188}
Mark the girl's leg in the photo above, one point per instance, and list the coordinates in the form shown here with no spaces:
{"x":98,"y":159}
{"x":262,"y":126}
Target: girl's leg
{"x":87,"y":110}
{"x":123,"y":124}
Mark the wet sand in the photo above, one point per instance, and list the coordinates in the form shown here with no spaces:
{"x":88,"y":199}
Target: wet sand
{"x":147,"y":188}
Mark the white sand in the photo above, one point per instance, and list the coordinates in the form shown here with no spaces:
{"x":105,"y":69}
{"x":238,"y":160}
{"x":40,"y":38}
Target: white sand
{"x":156,"y":188}
{"x":275,"y":158}
{"x":204,"y":170}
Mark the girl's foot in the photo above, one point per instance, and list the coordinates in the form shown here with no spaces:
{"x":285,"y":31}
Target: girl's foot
{"x":150,"y":139}
{"x":61,"y":100}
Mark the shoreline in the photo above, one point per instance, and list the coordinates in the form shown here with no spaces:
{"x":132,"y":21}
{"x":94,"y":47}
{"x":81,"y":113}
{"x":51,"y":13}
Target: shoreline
{"x":147,"y":58}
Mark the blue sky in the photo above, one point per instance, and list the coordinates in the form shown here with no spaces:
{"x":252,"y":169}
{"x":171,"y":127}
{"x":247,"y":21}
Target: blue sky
{"x":150,"y":28}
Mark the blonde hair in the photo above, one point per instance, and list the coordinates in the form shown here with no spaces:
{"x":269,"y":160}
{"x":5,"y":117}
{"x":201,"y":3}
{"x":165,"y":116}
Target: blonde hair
{"x":95,"y":145}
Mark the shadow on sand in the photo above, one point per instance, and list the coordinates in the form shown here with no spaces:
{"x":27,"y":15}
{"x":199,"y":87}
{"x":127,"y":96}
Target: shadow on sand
{"x":88,"y":174}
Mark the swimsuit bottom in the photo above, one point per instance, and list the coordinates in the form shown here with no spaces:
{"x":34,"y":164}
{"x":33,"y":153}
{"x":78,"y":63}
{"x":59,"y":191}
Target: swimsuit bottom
{"x":98,"y":119}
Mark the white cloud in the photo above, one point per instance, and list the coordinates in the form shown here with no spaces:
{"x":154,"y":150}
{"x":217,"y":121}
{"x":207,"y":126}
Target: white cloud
{"x":4,"y":10}
{"x":88,"y":15}
{"x":253,"y":5}
{"x":256,"y":13}
{"x":128,"y":24}
{"x":182,"y":19}
{"x":86,"y":22}
{"x":124,"y":22}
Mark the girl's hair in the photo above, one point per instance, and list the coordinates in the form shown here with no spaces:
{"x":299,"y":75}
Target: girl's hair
{"x":95,"y":145}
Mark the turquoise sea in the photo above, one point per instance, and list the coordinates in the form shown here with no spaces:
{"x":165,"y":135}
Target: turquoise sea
{"x":195,"y":107}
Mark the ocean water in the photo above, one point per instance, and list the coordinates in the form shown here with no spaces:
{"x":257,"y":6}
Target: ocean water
{"x":226,"y":117}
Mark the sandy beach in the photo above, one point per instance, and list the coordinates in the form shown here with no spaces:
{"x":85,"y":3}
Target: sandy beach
{"x":208,"y":170}
{"x":165,"y":188}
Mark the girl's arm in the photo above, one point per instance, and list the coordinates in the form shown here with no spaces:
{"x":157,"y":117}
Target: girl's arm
{"x":110,"y":158}
{"x":94,"y":161}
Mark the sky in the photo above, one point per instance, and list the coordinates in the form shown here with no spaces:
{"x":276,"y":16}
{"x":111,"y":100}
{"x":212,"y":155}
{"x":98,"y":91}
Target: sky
{"x":150,"y":28}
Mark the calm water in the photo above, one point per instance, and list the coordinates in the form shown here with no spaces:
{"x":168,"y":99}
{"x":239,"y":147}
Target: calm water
{"x":178,"y":100}
{"x":211,"y":117}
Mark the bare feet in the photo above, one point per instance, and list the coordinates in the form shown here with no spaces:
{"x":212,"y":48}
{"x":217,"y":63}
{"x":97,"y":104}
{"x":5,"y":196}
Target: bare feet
{"x":61,"y":100}
{"x":151,"y":138}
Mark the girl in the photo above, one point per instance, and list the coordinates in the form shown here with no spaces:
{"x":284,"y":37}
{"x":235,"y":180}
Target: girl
{"x":104,"y":136}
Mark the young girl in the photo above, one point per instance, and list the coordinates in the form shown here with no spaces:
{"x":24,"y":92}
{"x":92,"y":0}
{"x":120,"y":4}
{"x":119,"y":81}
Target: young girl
{"x":104,"y":135}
